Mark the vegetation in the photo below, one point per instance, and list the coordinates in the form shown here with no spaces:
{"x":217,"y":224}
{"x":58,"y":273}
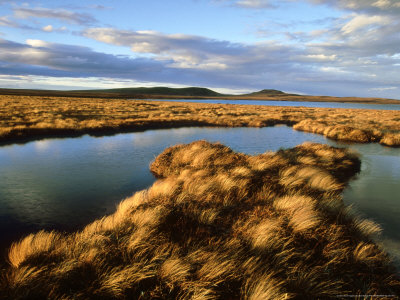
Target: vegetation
{"x":216,"y":225}
{"x":31,"y":117}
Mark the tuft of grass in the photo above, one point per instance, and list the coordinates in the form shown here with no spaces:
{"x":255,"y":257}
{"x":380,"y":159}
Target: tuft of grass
{"x":269,"y":226}
{"x":34,"y":244}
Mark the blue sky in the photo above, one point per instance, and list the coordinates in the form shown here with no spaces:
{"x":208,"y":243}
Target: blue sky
{"x":317,"y":47}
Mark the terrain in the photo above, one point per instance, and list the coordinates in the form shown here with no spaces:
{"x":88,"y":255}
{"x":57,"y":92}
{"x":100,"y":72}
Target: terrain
{"x":191,"y":93}
{"x":24,"y":118}
{"x":216,"y":225}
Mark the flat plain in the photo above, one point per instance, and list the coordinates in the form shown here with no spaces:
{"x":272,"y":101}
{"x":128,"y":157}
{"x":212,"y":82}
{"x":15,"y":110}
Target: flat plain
{"x":32,"y":117}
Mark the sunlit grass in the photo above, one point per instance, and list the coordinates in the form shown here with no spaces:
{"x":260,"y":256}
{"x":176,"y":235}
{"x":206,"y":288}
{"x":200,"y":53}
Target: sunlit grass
{"x":30,"y":117}
{"x":226,"y":226}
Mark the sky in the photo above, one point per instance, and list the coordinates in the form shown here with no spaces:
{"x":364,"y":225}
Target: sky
{"x":314,"y":47}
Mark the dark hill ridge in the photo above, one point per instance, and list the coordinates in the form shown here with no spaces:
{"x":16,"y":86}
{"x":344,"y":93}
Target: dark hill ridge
{"x":139,"y":91}
{"x":268,"y":92}
{"x":190,"y":93}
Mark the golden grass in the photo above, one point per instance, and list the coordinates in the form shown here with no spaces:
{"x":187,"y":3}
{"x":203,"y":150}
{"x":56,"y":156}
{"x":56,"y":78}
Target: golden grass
{"x":31,"y":117}
{"x":229,"y":226}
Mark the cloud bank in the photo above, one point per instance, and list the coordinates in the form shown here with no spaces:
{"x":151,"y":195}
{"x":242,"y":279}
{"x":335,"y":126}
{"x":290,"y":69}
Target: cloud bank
{"x":358,"y":53}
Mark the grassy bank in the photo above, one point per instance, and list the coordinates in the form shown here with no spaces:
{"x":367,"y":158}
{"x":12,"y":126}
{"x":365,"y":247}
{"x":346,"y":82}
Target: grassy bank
{"x":216,"y":225}
{"x":24,"y":117}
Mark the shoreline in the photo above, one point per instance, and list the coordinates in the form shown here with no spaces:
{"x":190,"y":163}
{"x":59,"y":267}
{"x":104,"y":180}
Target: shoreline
{"x":260,"y":97}
{"x":25,"y":118}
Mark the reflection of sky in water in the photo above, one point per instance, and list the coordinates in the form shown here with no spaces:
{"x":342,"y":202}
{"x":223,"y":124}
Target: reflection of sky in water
{"x":294,"y":103}
{"x":67,"y":183}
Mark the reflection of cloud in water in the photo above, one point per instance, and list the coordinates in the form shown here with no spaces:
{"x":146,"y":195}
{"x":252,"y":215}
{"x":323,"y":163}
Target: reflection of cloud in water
{"x":42,"y":145}
{"x":161,"y":136}
{"x":106,"y":144}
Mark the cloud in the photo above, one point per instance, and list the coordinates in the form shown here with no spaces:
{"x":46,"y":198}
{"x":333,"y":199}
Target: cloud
{"x":253,"y":3}
{"x":5,"y":21}
{"x":382,"y":89}
{"x":38,"y":57}
{"x":363,"y":21}
{"x":186,"y":51}
{"x":342,"y":58}
{"x":357,"y":52}
{"x":59,"y":14}
{"x":391,"y":7}
{"x":48,"y":28}
{"x":249,"y":4}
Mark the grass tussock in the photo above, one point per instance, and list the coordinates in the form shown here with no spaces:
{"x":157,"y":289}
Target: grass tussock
{"x":226,"y":226}
{"x":31,"y":117}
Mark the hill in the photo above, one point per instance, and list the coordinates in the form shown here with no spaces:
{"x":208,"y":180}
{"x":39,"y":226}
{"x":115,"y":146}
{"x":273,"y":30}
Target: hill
{"x":269,"y":93}
{"x":191,"y":93}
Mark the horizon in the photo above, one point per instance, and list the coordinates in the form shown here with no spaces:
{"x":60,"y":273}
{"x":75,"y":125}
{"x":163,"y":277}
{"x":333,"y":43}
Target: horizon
{"x":312,"y":47}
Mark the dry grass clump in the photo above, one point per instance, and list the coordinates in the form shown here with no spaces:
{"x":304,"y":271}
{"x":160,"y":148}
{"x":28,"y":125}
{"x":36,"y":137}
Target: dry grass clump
{"x":226,"y":226}
{"x":391,"y":139}
{"x":30,"y":117}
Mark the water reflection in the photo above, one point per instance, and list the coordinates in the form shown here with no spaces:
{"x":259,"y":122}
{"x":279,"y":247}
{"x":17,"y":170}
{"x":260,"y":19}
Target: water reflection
{"x":64,"y":184}
{"x":292,"y":103}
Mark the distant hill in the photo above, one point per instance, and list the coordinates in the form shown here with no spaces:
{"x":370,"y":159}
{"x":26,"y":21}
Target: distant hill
{"x":190,"y":93}
{"x":165,"y":91}
{"x":140,"y":93}
{"x":268,"y":92}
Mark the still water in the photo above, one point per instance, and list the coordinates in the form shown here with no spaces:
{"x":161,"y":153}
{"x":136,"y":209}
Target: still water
{"x":293,"y":103}
{"x":64,"y":184}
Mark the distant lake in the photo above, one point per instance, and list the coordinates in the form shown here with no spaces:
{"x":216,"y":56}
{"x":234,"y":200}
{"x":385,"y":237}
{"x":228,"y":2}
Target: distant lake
{"x":64,"y":184}
{"x":292,"y":103}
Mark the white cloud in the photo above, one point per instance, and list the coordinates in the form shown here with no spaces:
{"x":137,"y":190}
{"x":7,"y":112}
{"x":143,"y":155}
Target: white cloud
{"x":37,"y":43}
{"x":382,"y":89}
{"x":319,"y":57}
{"x":48,"y":28}
{"x":362,"y":21}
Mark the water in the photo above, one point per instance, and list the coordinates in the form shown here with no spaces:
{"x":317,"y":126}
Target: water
{"x":293,"y":103}
{"x":64,"y":184}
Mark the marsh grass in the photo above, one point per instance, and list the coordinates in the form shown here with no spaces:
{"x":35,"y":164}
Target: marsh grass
{"x":31,"y":117}
{"x":226,"y":226}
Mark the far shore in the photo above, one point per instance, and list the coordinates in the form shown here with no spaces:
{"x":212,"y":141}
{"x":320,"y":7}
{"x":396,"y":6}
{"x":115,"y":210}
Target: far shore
{"x":261,"y":96}
{"x":25,"y":118}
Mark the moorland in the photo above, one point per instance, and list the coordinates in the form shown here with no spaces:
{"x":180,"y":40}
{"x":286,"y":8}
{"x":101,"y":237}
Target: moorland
{"x":31,"y":117}
{"x":217,"y":224}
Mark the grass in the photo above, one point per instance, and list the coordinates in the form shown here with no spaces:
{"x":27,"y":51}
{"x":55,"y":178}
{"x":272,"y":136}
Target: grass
{"x":216,"y":225}
{"x":31,"y":117}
